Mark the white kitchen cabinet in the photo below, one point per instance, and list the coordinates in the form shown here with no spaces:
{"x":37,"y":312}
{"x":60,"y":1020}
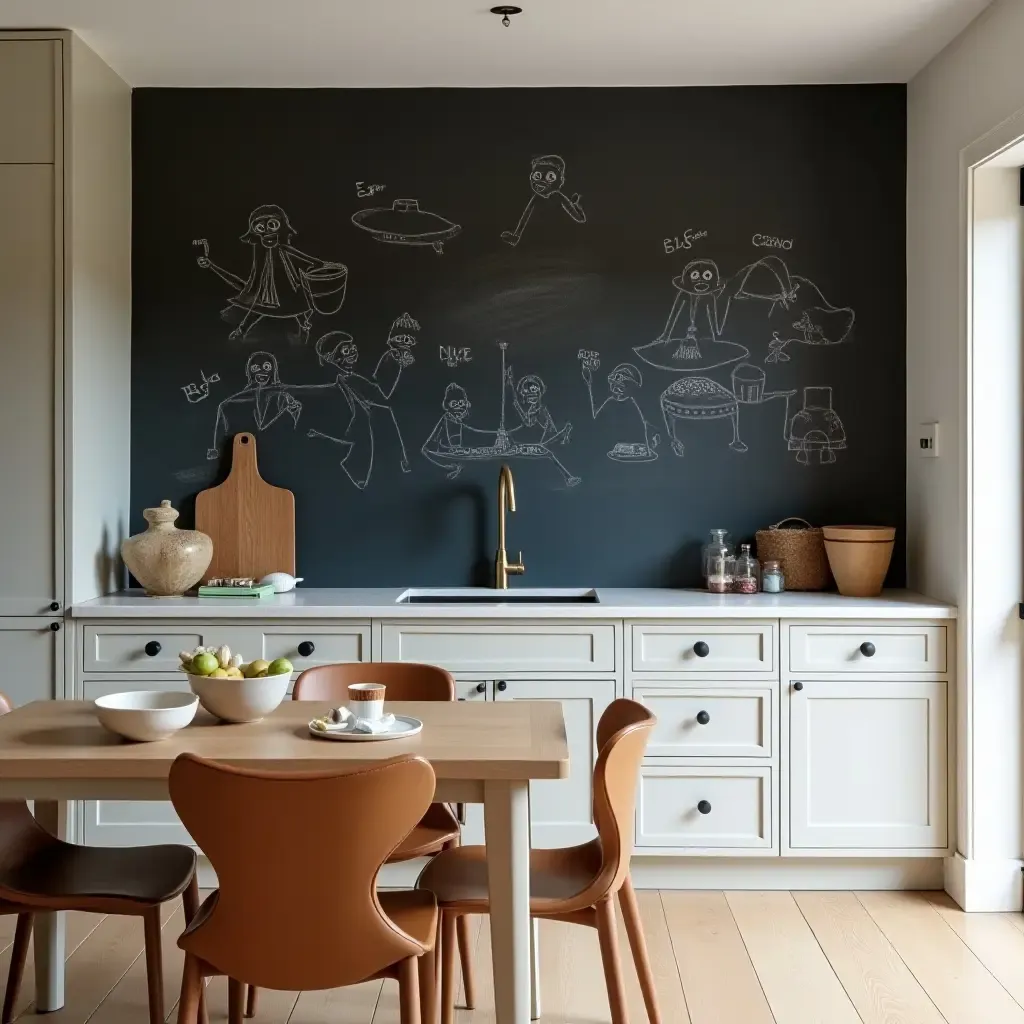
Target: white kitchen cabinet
{"x":867,"y":764}
{"x":31,"y":656}
{"x":561,"y":811}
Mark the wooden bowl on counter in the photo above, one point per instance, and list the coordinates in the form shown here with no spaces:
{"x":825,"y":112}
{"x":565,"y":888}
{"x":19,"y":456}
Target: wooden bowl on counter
{"x":859,"y":557}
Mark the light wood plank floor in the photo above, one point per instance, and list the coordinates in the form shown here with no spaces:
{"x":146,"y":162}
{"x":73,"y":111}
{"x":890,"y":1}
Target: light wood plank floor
{"x":718,"y":958}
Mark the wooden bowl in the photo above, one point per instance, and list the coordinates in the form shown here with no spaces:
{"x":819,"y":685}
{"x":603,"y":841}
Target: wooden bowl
{"x":859,"y":557}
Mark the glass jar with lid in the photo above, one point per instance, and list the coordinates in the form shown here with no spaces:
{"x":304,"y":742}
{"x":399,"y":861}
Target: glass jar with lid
{"x":718,"y":547}
{"x":773,"y":580}
{"x":719,"y":572}
{"x":746,"y":572}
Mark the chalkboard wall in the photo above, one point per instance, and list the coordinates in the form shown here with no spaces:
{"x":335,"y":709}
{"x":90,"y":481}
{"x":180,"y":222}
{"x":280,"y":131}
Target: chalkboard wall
{"x":666,"y":309}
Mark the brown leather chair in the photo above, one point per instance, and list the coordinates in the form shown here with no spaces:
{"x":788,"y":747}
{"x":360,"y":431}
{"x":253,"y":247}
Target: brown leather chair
{"x":576,"y":884}
{"x":439,"y":828}
{"x":39,"y":872}
{"x":297,"y":857}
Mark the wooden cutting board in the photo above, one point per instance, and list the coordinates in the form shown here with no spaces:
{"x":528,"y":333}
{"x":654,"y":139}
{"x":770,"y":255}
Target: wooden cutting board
{"x":251,"y":522}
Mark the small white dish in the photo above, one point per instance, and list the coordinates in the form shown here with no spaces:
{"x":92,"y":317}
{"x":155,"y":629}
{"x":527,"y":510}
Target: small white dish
{"x":405,"y":726}
{"x":240,"y":700}
{"x":146,"y":715}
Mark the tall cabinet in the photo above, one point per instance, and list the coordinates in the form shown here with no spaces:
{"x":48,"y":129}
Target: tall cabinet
{"x":65,"y":130}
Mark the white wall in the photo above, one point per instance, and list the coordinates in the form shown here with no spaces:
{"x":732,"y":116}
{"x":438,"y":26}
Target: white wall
{"x":98,"y":190}
{"x":962,"y":95}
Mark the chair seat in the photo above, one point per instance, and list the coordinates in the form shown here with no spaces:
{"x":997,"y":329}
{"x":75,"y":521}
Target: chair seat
{"x":437,"y":829}
{"x":458,"y":877}
{"x":62,"y":871}
{"x":414,"y":911}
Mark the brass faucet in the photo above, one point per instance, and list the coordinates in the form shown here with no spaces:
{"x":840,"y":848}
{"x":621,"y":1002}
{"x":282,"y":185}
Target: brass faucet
{"x":506,"y":498}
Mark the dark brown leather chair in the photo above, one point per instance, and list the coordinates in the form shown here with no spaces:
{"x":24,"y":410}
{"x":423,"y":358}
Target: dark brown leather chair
{"x":576,"y":884}
{"x":39,"y":872}
{"x":297,"y":857}
{"x":439,"y":828}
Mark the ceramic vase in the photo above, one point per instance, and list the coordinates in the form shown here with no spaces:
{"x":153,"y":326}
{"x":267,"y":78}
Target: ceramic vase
{"x":165,"y":560}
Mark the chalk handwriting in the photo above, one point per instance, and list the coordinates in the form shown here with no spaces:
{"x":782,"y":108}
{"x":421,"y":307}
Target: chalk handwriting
{"x":452,"y":356}
{"x":365,"y":188}
{"x":684,"y":241}
{"x":771,"y":242}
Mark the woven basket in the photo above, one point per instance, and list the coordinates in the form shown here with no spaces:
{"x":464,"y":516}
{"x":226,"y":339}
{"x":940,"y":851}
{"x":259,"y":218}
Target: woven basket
{"x":800,"y":548}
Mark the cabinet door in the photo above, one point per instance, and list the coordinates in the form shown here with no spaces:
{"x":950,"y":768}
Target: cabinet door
{"x":28,"y":100}
{"x":28,"y":652}
{"x":867,"y":765}
{"x":29,"y":499}
{"x":561,"y":811}
{"x":471,"y":816}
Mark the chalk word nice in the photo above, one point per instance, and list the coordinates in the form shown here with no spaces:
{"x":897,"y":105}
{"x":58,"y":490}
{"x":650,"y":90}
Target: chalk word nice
{"x":364,"y":189}
{"x":768,"y":242}
{"x":452,"y":356}
{"x":686,"y":242}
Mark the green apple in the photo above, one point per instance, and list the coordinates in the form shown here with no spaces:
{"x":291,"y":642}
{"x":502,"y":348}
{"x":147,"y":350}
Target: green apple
{"x":279,"y":666}
{"x":257,"y":667}
{"x":204,"y":664}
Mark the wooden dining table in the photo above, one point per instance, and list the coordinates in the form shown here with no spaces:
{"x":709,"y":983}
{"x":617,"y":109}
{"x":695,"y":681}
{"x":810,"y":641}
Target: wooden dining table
{"x":52,"y":752}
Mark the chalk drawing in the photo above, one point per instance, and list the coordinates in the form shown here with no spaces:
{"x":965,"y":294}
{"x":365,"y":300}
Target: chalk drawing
{"x":453,"y":357}
{"x":701,"y":347}
{"x":199,"y":392}
{"x":816,"y":432}
{"x":284,"y":283}
{"x":547,"y":180}
{"x":453,"y":441}
{"x":683,"y":241}
{"x":365,"y":189}
{"x":696,"y":399}
{"x":404,"y":223}
{"x":624,"y":384}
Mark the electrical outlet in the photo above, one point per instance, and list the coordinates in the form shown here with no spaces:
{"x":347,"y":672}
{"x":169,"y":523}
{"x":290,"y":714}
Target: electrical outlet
{"x":928,"y":440}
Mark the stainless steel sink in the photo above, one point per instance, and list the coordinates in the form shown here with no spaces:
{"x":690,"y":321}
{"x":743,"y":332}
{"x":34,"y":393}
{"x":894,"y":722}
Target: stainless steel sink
{"x":482,"y":595}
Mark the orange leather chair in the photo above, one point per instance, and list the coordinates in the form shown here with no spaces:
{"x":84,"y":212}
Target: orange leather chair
{"x":297,"y":857}
{"x":39,"y":872}
{"x":439,"y":828}
{"x":576,"y":884}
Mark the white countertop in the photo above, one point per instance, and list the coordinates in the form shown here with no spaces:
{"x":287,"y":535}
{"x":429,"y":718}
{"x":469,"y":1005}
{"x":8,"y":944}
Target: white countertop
{"x":614,"y":603}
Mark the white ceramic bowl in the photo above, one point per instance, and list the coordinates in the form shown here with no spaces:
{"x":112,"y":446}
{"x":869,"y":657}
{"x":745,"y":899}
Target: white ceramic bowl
{"x":240,"y":700}
{"x":146,"y":714}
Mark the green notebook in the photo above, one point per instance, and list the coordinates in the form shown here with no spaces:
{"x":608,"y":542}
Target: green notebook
{"x":260,"y":590}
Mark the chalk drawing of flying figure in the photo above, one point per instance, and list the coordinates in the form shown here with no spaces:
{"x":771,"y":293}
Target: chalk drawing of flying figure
{"x":547,"y":179}
{"x":284,"y":283}
{"x":368,"y":398}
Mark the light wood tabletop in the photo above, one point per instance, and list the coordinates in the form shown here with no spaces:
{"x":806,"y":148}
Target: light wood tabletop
{"x":483,"y":741}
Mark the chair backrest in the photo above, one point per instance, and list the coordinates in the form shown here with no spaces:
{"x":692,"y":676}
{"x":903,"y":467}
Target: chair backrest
{"x":297,"y":857}
{"x":622,"y":735}
{"x":20,"y":834}
{"x":403,"y":681}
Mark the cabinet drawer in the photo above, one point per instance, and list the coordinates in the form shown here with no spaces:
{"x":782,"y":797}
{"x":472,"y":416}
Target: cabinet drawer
{"x":123,"y":648}
{"x":495,"y":650}
{"x":867,"y":648}
{"x":705,"y":649}
{"x":704,"y":722}
{"x":305,"y":647}
{"x":737,"y":802}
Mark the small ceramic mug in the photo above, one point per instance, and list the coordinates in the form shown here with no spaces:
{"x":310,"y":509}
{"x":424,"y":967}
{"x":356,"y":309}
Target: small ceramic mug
{"x":366,"y":700}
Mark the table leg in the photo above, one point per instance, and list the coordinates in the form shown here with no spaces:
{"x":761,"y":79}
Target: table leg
{"x":507,"y":826}
{"x":49,"y":928}
{"x":535,"y":1010}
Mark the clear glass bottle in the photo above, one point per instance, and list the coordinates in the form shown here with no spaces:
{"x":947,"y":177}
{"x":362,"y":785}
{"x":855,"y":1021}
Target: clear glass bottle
{"x":746,"y":572}
{"x":719,"y":572}
{"x":773,"y":581}
{"x":717,"y":546}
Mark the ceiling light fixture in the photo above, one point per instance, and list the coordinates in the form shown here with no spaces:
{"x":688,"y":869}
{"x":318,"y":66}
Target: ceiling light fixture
{"x":505,"y":10}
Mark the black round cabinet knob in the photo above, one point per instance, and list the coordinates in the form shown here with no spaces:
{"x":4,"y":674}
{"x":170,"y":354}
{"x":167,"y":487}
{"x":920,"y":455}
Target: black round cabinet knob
{"x":482,"y":687}
{"x":798,"y":686}
{"x":306,"y":648}
{"x":54,"y":627}
{"x":867,"y":649}
{"x":502,"y":685}
{"x":153,"y":648}
{"x":704,"y":807}
{"x":55,"y":606}
{"x":703,"y":717}
{"x":701,"y":649}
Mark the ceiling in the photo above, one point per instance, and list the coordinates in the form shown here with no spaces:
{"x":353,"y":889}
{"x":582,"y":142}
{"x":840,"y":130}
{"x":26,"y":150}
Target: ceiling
{"x":458,"y":43}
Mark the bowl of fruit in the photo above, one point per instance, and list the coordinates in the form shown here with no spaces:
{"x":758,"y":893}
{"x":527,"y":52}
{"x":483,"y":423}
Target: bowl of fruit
{"x":233,"y":690}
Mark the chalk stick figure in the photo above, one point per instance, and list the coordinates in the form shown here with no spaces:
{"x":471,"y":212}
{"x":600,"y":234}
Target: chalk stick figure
{"x":547,"y":179}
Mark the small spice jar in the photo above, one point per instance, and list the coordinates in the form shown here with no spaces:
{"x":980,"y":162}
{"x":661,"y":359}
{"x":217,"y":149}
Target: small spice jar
{"x":746,"y":573}
{"x":772,"y":579}
{"x":719,"y":572}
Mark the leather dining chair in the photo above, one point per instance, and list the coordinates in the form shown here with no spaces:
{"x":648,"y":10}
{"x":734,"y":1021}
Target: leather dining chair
{"x":41,"y":873}
{"x":438,"y":830}
{"x":576,"y":884}
{"x":297,"y":857}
